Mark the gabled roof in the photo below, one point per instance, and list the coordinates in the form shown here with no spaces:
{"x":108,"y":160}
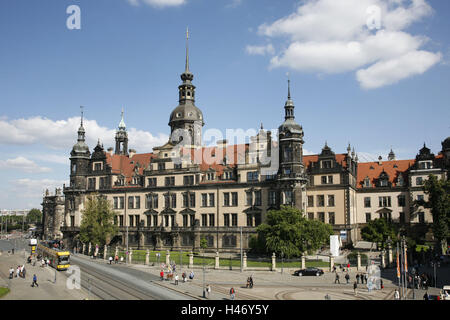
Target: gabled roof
{"x":391,"y":168}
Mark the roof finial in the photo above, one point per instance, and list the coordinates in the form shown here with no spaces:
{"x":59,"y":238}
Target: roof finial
{"x":289,"y":86}
{"x":122,"y":123}
{"x":81,"y":107}
{"x":187,"y":50}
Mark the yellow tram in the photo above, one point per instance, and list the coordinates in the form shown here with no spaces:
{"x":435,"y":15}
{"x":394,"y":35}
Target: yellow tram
{"x":59,"y":259}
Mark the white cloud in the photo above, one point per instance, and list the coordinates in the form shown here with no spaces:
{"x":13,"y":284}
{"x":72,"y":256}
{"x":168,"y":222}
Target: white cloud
{"x":62,"y":134}
{"x":328,"y":36}
{"x":260,"y":50}
{"x":23,"y":164}
{"x":391,"y":71}
{"x":158,"y":3}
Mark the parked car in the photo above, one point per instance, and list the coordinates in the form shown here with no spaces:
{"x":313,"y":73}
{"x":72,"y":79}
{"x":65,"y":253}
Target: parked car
{"x":309,"y":272}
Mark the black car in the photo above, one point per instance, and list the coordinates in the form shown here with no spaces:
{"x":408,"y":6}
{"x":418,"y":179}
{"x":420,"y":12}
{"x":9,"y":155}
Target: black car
{"x":309,"y":272}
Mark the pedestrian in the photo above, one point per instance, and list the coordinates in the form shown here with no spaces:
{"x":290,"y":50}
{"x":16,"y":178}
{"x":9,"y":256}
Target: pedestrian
{"x":232,"y":293}
{"x":251,"y":282}
{"x":110,"y":259}
{"x":24,"y":272}
{"x":357,"y":277}
{"x":426,"y":296}
{"x":348,"y":266}
{"x":161,"y":274}
{"x":184,"y":276}
{"x":176,"y":279}
{"x":347,"y":277}
{"x":11,"y":272}
{"x":208,"y":290}
{"x":34,"y":281}
{"x":337,"y":278}
{"x":396,"y":295}
{"x":365,"y":278}
{"x":355,"y":287}
{"x":381,"y":284}
{"x":116,"y":259}
{"x":18,"y":271}
{"x":191,"y":275}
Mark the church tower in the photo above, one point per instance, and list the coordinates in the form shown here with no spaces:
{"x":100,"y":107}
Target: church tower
{"x":291,"y":172}
{"x":79,"y":160}
{"x":186,"y":120}
{"x":122,"y":138}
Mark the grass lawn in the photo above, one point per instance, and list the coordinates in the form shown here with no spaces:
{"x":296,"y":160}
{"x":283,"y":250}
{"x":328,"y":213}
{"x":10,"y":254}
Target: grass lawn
{"x":3,"y":291}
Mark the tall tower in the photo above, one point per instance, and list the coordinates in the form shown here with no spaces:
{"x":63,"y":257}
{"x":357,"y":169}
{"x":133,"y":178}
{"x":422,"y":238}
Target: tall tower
{"x":122,"y":138}
{"x":291,"y":172}
{"x":79,"y":160}
{"x":186,"y":120}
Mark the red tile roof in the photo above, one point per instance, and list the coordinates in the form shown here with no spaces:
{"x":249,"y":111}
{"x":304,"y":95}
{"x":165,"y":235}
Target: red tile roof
{"x":373,"y":170}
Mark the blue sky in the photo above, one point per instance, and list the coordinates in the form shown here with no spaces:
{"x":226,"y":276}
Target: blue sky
{"x":374,"y":88}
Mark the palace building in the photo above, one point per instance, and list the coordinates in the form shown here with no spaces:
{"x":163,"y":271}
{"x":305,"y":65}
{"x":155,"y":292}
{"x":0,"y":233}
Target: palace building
{"x":183,"y":191}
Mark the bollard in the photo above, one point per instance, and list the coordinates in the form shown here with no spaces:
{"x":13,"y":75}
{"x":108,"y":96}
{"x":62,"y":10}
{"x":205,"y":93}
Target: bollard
{"x":191,"y":260}
{"x":147,"y":257}
{"x":244,"y":264}
{"x":359,"y":262}
{"x":274,"y":262}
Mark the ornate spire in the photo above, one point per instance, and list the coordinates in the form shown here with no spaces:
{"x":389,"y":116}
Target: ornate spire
{"x":187,"y":51}
{"x":81,"y":131}
{"x":122,"y":125}
{"x":289,"y":105}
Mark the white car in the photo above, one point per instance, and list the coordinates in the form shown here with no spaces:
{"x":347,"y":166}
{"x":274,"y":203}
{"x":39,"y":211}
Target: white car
{"x":446,"y":292}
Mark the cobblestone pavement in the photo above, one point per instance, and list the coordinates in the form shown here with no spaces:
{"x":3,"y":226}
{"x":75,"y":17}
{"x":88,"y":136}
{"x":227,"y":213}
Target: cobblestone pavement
{"x":21,"y":288}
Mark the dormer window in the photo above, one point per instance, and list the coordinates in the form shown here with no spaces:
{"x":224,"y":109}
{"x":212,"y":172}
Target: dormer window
{"x":419,"y":181}
{"x":367,"y":182}
{"x":210,"y":176}
{"x":400,"y":181}
{"x":326,"y":164}
{"x":425,"y":165}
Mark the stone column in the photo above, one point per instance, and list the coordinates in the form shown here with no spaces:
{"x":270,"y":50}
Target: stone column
{"x":191,"y":260}
{"x":383,"y":259}
{"x":331,"y":263}
{"x":244,"y":263}
{"x":105,"y":252}
{"x":84,"y":248}
{"x":217,"y":261}
{"x":274,"y":262}
{"x":390,"y":255}
{"x":359,"y":261}
{"x":167,"y":257}
{"x":303,"y":262}
{"x":147,"y":257}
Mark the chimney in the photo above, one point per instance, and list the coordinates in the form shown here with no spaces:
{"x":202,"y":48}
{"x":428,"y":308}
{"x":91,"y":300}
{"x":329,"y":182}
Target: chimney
{"x":111,"y":151}
{"x":379,"y":160}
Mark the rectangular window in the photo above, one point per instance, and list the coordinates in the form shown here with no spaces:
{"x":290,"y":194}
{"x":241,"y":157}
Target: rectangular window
{"x":174,"y":200}
{"x":137,"y":220}
{"x":331,"y":200}
{"x":91,"y":183}
{"x":204,"y":199}
{"x":367,"y":202}
{"x":166,"y":201}
{"x":311,"y":215}
{"x":204,"y":220}
{"x":185,"y":220}
{"x":249,"y":195}
{"x":116,"y":202}
{"x":122,"y":202}
{"x":401,"y":201}
{"x":252,"y":176}
{"x":149,"y":221}
{"x":155,"y":220}
{"x":421,"y":217}
{"x":121,"y":221}
{"x":188,"y":180}
{"x":272,"y":198}
{"x":166,"y":220}
{"x":310,"y":201}
{"x":226,"y":199}
{"x":226,"y":220}
{"x":72,"y":221}
{"x":211,"y":220}
{"x":131,"y":221}
{"x":170,"y":181}
{"x":330,"y":179}
{"x":331,"y":218}
{"x":211,"y":200}
{"x":258,"y":198}
{"x":249,"y":220}
{"x":402,"y":217}
{"x":368,"y":218}
{"x":130,"y":202}
{"x":288,"y":198}
{"x":324,"y":179}
{"x":151,"y":182}
{"x":326,"y":164}
{"x":234,"y":199}
{"x":420,"y":197}
{"x":384,"y":201}
{"x":161,"y":166}
{"x":137,"y":202}
{"x":321,"y":216}
{"x":185,"y":200}
{"x":192,"y":200}
{"x":192,"y":219}
{"x":419,"y":181}
{"x":234,"y":219}
{"x":320,"y":200}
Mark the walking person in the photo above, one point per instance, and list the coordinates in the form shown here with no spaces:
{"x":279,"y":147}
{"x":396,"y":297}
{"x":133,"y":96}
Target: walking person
{"x":232,"y":294}
{"x":116,"y":259}
{"x":34,"y":281}
{"x":161,"y":274}
{"x":110,"y":260}
{"x":396,"y":295}
{"x":176,"y":279}
{"x":208,"y":290}
{"x":184,"y":276}
{"x":357,"y":277}
{"x":337,"y":278}
{"x":11,"y":272}
{"x":426,"y":296}
{"x":347,"y":277}
{"x":355,"y":288}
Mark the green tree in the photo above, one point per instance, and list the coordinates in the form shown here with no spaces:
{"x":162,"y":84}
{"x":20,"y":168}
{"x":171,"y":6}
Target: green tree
{"x":34,"y":216}
{"x":287,"y":232}
{"x":97,"y":225}
{"x":379,"y":230}
{"x":438,"y":191}
{"x":203,"y":243}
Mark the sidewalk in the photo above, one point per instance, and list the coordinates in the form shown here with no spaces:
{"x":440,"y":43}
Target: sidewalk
{"x":48,"y":290}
